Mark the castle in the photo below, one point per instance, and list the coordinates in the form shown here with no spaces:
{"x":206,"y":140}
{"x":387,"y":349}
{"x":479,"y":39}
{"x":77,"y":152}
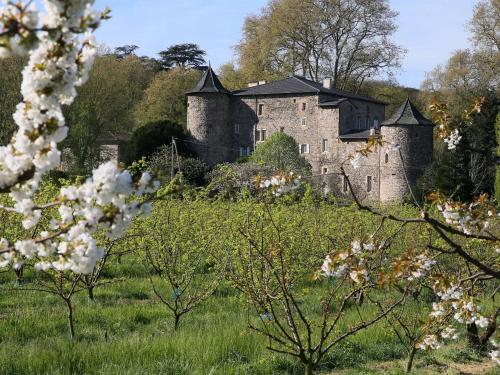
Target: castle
{"x":329,"y":125}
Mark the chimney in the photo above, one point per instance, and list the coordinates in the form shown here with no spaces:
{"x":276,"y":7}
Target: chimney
{"x":372,"y":132}
{"x":327,"y":83}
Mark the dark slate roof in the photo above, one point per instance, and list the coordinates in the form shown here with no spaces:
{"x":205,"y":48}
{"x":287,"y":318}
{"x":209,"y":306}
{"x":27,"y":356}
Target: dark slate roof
{"x":356,"y":134}
{"x":407,"y":114}
{"x":209,"y":83}
{"x":333,"y":103}
{"x":299,"y":85}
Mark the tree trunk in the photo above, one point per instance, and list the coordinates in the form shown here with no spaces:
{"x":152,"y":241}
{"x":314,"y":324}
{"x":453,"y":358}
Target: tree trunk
{"x":19,"y":275}
{"x":177,"y":322}
{"x":411,"y":356}
{"x":90,"y":291}
{"x":309,"y":369}
{"x":473,"y":337}
{"x":71,"y":323}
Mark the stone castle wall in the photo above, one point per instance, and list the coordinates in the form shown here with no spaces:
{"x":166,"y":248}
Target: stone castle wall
{"x":416,"y":147}
{"x":208,"y":123}
{"x":225,"y":125}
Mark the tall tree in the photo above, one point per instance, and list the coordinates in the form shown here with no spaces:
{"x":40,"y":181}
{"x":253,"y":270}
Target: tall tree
{"x":188,"y":55}
{"x":103,"y":108}
{"x":124,"y":51}
{"x":485,"y":24}
{"x":471,"y":73}
{"x":164,"y":99}
{"x":348,"y":40}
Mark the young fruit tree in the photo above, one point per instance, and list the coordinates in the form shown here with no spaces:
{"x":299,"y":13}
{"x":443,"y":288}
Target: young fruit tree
{"x":465,"y":237}
{"x":60,"y":49}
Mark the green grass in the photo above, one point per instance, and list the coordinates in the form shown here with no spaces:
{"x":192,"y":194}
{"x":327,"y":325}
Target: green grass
{"x":127,"y":331}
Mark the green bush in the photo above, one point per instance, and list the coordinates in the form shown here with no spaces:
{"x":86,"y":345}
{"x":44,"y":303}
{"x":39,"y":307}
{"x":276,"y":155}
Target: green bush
{"x":280,"y":152}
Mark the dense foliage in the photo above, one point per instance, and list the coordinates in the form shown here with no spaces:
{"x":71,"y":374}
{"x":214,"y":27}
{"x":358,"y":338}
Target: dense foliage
{"x":280,"y":152}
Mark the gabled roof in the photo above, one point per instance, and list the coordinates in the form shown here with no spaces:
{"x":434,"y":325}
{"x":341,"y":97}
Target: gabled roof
{"x":299,"y":85}
{"x":407,"y":114}
{"x":209,"y":83}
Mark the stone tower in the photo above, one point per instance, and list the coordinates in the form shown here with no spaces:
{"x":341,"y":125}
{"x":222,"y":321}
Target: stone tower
{"x":413,"y":133}
{"x":208,"y":119}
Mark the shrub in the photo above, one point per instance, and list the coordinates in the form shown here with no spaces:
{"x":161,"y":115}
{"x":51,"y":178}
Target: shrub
{"x":160,"y":163}
{"x":148,"y":138}
{"x":280,"y":152}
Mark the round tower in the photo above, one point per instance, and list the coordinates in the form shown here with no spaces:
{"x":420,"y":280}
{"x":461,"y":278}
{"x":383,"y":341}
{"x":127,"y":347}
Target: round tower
{"x":208,"y":119}
{"x":412,"y":133}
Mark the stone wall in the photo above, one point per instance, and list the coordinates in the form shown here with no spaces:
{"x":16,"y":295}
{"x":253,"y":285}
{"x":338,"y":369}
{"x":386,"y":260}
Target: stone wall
{"x":224,"y":125}
{"x":209,"y":126}
{"x":416,"y":147}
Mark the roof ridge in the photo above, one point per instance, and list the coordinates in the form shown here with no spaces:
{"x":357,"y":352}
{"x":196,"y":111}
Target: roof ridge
{"x":407,"y":101}
{"x":302,"y":79}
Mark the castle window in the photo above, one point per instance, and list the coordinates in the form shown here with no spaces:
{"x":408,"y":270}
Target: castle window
{"x":304,"y":106}
{"x":244,"y":151}
{"x":282,"y":129}
{"x":325,"y":170}
{"x":260,"y":135}
{"x":303,"y":121}
{"x":368,"y":183}
{"x":324,"y":145}
{"x":236,"y":128}
{"x":345,"y":185}
{"x":261,"y":109}
{"x":386,"y":158}
{"x":295,"y":100}
{"x":304,"y":148}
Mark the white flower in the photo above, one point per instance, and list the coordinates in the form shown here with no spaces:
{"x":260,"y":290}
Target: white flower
{"x":482,"y":321}
{"x":453,"y":139}
{"x":357,"y":160}
{"x":326,"y":267}
{"x":429,"y":342}
{"x":449,"y":333}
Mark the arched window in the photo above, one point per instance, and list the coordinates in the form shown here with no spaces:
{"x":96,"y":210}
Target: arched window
{"x":387,"y":158}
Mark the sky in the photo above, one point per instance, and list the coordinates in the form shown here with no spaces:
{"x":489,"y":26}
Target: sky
{"x":429,"y":29}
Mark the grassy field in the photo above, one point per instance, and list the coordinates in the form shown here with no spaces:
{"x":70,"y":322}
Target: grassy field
{"x":127,"y":331}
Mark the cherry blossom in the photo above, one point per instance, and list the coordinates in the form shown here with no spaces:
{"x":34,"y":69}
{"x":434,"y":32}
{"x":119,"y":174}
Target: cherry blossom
{"x":61,"y":50}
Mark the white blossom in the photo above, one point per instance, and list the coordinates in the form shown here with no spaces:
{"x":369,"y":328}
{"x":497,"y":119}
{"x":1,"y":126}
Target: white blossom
{"x":449,"y":333}
{"x":59,"y":61}
{"x":429,"y":342}
{"x":357,"y":159}
{"x":453,"y":139}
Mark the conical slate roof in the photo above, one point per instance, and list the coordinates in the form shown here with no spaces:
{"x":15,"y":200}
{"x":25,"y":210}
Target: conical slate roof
{"x":209,"y":83}
{"x":407,"y":114}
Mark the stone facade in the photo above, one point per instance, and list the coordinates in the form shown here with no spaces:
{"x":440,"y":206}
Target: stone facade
{"x":328,"y":128}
